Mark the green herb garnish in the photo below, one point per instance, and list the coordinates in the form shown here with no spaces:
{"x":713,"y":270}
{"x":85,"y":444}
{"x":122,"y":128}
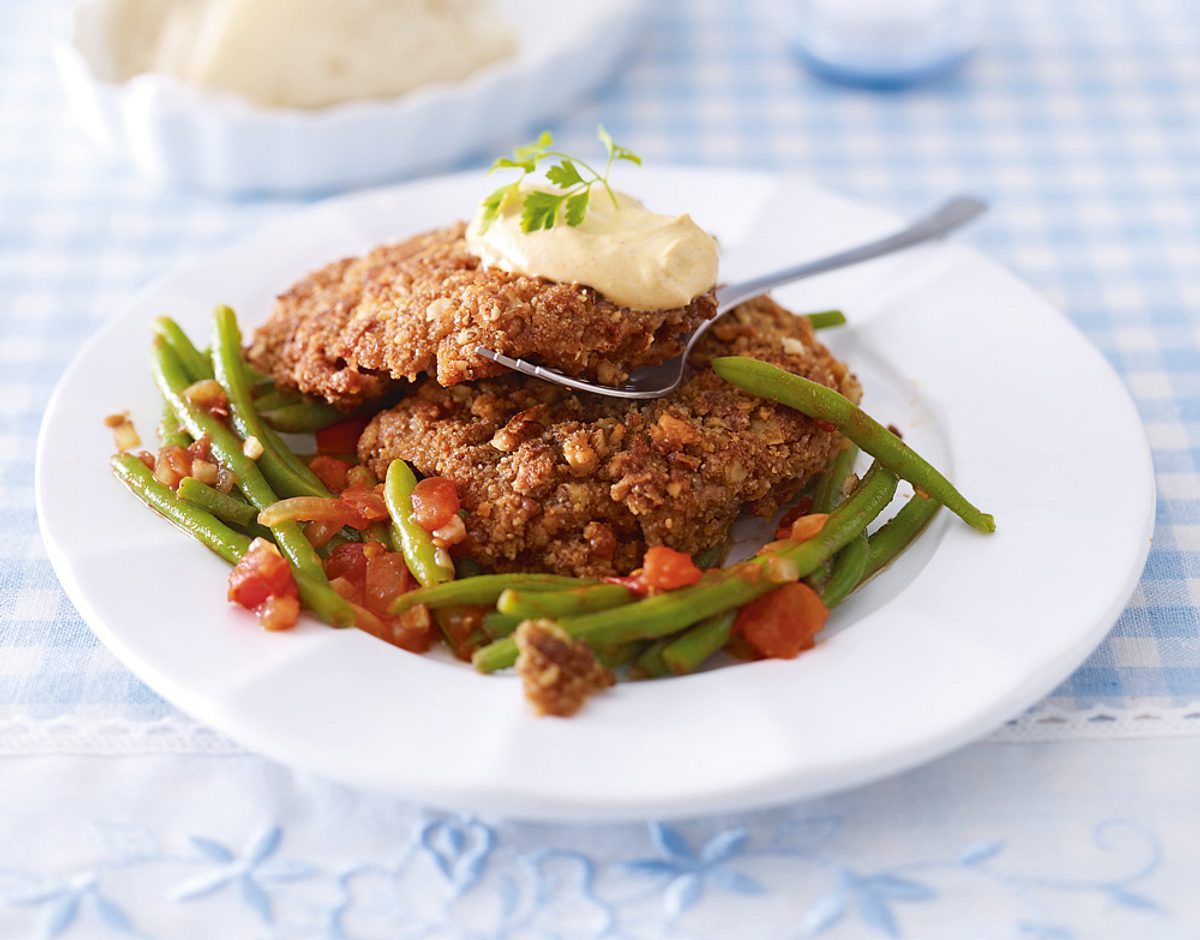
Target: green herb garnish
{"x":541,"y":210}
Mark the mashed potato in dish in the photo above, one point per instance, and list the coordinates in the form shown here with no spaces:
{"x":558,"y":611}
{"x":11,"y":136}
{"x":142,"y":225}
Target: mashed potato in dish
{"x":309,"y":53}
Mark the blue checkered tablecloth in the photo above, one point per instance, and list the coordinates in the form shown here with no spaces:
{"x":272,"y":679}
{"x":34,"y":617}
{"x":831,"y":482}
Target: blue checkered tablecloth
{"x":1080,"y":121}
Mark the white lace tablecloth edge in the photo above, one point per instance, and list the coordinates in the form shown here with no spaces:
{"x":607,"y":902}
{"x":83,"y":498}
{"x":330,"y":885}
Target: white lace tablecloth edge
{"x":22,"y":734}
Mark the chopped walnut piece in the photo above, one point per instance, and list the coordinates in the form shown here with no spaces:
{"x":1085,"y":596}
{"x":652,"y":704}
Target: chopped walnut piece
{"x":558,"y":672}
{"x":579,"y":454}
{"x":794,"y":346}
{"x":600,"y":539}
{"x":673,"y":433}
{"x":520,"y":427}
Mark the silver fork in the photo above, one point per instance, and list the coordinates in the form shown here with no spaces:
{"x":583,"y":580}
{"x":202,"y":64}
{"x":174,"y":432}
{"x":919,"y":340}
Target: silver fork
{"x":662,"y":379}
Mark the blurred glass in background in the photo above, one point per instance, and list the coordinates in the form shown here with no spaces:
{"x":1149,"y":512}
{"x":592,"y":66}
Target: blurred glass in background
{"x":885,"y":43}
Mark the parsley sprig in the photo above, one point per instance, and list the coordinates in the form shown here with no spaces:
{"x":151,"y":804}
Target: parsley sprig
{"x":572,"y":176}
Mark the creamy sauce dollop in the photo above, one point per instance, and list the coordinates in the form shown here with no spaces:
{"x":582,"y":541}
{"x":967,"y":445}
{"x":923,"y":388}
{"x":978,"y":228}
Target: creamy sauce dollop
{"x":634,"y":257}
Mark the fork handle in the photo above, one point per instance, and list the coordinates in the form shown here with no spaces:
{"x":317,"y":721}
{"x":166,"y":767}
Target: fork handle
{"x":952,"y":214}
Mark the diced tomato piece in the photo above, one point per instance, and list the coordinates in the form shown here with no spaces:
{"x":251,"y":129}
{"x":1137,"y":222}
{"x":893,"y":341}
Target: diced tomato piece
{"x":278,"y":612}
{"x":462,"y":627}
{"x":666,"y":569}
{"x":348,"y":561}
{"x":331,"y":471}
{"x":367,"y":502}
{"x":412,"y":630}
{"x":387,"y":578}
{"x":200,"y":450}
{"x":635,"y":581}
{"x":147,"y":458}
{"x":435,"y":501}
{"x":739,"y":648}
{"x":369,"y":623}
{"x":261,"y":581}
{"x":345,"y":589}
{"x":342,"y":437}
{"x":803,"y":505}
{"x":173,"y":464}
{"x":783,"y":623}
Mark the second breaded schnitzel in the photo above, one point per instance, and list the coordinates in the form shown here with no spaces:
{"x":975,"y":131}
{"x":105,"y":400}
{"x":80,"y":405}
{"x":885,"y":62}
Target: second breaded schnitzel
{"x":348,"y":332}
{"x":554,"y":480}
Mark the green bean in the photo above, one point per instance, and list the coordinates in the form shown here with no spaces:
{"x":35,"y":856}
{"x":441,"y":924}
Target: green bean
{"x":467,"y":567}
{"x":170,"y":433}
{"x":484,"y":589}
{"x":280,"y":448}
{"x":692,"y":648}
{"x":271,"y":403}
{"x":723,"y":589}
{"x":284,"y":476}
{"x":847,"y":572}
{"x":324,"y":601}
{"x":300,"y":417}
{"x":219,"y":538}
{"x":830,"y":488}
{"x":552,"y":605}
{"x":650,"y":663}
{"x":711,"y":557}
{"x":272,"y":399}
{"x":375,"y":532}
{"x":496,"y":624}
{"x":824,"y":404}
{"x":417,"y":545}
{"x":610,"y":657}
{"x":196,"y":365}
{"x":476,"y":639}
{"x":260,"y":382}
{"x":828,"y":493}
{"x":292,"y":412}
{"x":300,"y":481}
{"x":198,"y":523}
{"x":223,"y":506}
{"x":825,"y":318}
{"x":225,"y":445}
{"x":338,"y":538}
{"x":895,"y":535}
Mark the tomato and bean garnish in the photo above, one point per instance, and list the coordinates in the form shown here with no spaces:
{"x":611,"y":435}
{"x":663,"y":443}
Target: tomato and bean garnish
{"x":384,"y":556}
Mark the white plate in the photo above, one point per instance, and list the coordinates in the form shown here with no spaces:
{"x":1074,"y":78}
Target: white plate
{"x":979,"y":371}
{"x":176,"y":134}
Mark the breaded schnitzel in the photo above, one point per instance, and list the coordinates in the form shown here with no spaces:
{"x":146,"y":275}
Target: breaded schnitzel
{"x":346,"y":332}
{"x":554,"y":480}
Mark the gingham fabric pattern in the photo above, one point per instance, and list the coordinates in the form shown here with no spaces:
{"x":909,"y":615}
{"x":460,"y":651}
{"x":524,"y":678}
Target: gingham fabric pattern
{"x":1080,"y":121}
